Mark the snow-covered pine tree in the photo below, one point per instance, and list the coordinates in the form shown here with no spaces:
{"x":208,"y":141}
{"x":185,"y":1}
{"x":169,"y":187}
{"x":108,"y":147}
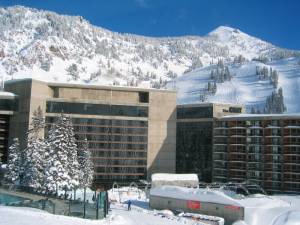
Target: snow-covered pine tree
{"x":34,"y":163}
{"x":56,"y":170}
{"x":86,"y":165}
{"x":62,"y":167}
{"x":12,"y":175}
{"x":73,"y":165}
{"x":37,"y":121}
{"x":214,"y":87}
{"x":73,"y":71}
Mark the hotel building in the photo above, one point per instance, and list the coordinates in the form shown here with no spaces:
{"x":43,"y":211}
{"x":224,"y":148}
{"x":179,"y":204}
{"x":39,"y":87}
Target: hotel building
{"x":131,"y":131}
{"x":195,"y":136}
{"x":261,"y":149}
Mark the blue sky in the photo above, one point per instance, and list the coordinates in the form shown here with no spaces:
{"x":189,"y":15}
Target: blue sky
{"x":276,"y":21}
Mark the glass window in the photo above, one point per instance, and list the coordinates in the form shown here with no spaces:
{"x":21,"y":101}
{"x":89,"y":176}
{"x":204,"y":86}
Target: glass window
{"x":8,"y":104}
{"x":144,"y":97}
{"x":96,"y":109}
{"x":194,"y":112}
{"x":235,"y":109}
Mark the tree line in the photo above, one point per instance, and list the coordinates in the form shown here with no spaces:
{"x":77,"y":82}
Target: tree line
{"x":50,"y":164}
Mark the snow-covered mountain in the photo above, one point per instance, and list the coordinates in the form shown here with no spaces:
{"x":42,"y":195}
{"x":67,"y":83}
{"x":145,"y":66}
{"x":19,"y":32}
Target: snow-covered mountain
{"x":47,"y":46}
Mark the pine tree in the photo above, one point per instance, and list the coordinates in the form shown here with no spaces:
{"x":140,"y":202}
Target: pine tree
{"x":34,"y":164}
{"x":12,"y":175}
{"x":62,"y":167}
{"x":34,"y":154}
{"x":73,"y":71}
{"x":215,"y":88}
{"x":73,"y":165}
{"x":85,"y":165}
{"x":37,"y":122}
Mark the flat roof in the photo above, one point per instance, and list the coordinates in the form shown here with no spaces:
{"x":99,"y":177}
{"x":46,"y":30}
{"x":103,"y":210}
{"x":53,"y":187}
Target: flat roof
{"x":7,"y":95}
{"x":261,"y":116}
{"x":90,"y":86}
{"x":205,"y":104}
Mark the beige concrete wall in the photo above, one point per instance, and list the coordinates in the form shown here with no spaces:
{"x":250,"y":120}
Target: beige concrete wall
{"x":162,"y":133}
{"x":19,"y":120}
{"x":218,"y":109}
{"x":39,"y":93}
{"x":113,"y":96}
{"x":31,"y":95}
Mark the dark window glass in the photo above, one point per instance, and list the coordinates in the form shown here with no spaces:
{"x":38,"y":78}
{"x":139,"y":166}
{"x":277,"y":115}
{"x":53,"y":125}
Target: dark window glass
{"x":96,"y":109}
{"x":144,"y":97}
{"x":194,"y":149}
{"x":235,"y":109}
{"x":8,"y":104}
{"x":194,"y":112}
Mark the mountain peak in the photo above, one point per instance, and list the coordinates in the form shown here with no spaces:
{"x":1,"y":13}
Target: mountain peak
{"x":222,"y":29}
{"x":224,"y":33}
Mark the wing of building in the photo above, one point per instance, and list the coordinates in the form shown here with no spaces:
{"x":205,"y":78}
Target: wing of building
{"x":131,"y":131}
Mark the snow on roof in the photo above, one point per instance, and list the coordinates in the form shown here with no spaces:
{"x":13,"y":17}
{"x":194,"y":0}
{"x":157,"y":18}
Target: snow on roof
{"x":6,"y":94}
{"x":174,"y":177}
{"x":218,"y":196}
{"x":253,"y":116}
{"x":196,"y":194}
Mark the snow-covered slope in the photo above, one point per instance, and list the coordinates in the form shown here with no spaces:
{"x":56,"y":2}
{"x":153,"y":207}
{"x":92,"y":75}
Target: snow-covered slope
{"x":51,"y":47}
{"x":48,"y":46}
{"x":245,"y":86}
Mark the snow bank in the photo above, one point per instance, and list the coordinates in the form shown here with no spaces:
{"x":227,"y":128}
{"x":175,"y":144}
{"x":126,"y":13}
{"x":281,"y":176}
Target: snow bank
{"x":126,"y":193}
{"x":28,"y":216}
{"x":184,"y":180}
{"x":6,"y":94}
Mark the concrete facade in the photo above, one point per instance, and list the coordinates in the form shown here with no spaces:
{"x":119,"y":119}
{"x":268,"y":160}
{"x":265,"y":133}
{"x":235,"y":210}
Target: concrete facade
{"x":195,"y":136}
{"x":8,"y":103}
{"x":263,"y":149}
{"x":154,"y":109}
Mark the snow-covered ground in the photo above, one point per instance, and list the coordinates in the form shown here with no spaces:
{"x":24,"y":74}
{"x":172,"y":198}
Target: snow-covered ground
{"x":118,"y":215}
{"x":282,"y":209}
{"x":275,"y":210}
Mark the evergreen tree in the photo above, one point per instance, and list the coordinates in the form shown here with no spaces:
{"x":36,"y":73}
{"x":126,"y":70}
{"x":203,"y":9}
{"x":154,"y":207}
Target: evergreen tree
{"x":62,"y":167}
{"x":85,"y":165}
{"x":73,"y":71}
{"x":274,"y":78}
{"x":37,"y":122}
{"x":34,"y":163}
{"x":209,"y":87}
{"x":275,"y":102}
{"x":12,"y":175}
{"x":34,"y":154}
{"x":73,"y":165}
{"x":215,"y":87}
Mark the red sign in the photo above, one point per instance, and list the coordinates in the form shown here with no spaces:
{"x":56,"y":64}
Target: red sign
{"x":193,"y":204}
{"x":232,"y":207}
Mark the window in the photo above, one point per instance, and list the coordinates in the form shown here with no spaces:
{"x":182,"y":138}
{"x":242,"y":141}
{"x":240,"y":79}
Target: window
{"x":8,"y":104}
{"x":144,"y":97}
{"x":235,"y":109}
{"x":194,"y":112}
{"x":96,"y":109}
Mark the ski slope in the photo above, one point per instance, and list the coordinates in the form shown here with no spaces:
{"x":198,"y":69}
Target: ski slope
{"x":289,"y":79}
{"x":245,"y":87}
